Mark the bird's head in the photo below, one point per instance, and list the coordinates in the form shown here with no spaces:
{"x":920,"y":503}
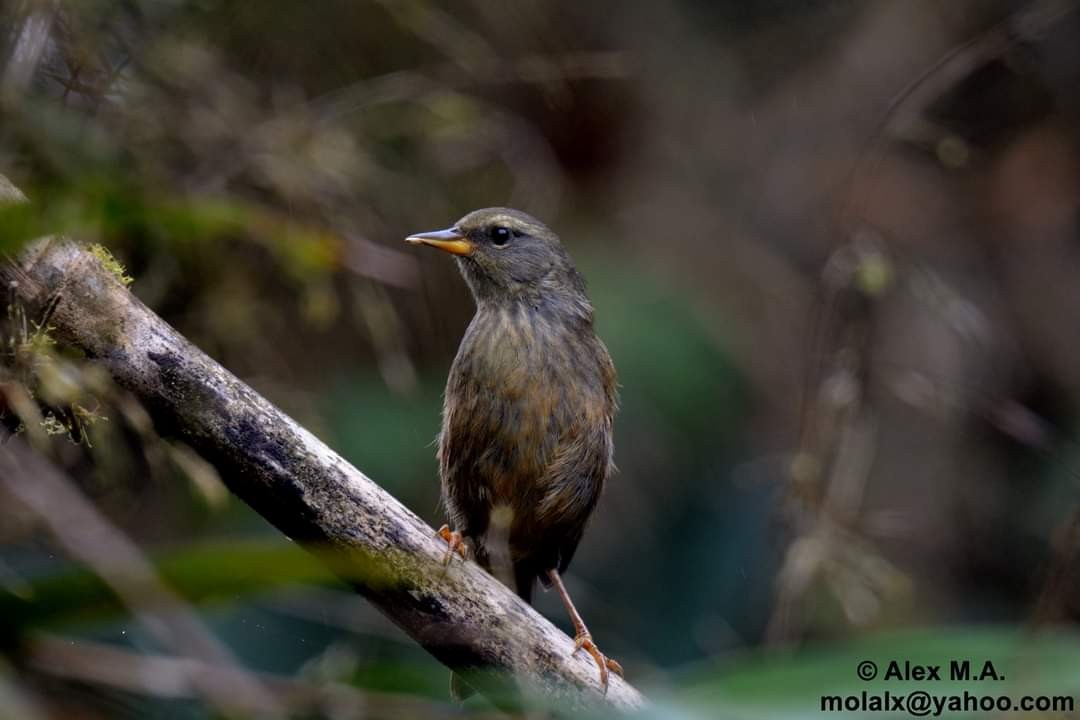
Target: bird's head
{"x":506,"y":255}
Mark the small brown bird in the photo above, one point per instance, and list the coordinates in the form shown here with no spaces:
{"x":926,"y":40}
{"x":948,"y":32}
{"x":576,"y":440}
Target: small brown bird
{"x":526,"y":441}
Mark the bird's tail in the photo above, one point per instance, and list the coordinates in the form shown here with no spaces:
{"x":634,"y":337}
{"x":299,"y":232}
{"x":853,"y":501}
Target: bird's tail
{"x":525,"y":575}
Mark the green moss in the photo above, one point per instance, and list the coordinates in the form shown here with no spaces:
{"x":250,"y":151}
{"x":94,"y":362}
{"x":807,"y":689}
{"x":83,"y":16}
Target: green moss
{"x":110,"y":263}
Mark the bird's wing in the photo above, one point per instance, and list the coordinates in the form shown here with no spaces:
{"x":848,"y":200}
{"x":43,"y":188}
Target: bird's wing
{"x":576,"y":475}
{"x":463,"y":440}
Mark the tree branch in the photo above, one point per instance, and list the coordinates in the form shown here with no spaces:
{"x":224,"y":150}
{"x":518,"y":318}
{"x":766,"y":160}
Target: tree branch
{"x":462,"y":615}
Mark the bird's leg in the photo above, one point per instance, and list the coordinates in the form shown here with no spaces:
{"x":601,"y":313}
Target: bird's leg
{"x":582,"y":638}
{"x":455,"y":542}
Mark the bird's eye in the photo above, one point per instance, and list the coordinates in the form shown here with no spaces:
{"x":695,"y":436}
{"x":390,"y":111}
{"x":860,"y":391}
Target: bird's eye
{"x":500,"y":235}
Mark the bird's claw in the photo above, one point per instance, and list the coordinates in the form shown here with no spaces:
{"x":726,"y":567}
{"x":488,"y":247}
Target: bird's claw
{"x":584,"y":641}
{"x":455,"y":542}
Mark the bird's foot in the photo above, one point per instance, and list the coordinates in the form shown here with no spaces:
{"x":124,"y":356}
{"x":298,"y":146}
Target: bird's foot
{"x":584,"y":641}
{"x":455,"y":542}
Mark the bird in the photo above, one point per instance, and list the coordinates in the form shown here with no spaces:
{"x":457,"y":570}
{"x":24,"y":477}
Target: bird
{"x":526,"y":443}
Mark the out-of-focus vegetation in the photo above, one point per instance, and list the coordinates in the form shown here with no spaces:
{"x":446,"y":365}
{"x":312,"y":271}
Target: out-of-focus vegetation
{"x":833,"y":251}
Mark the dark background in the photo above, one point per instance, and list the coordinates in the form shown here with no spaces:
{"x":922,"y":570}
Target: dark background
{"x":833,"y":248}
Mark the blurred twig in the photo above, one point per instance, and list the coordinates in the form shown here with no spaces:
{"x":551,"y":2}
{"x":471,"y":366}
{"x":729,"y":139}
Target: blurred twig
{"x":15,"y":701}
{"x":406,"y":85}
{"x":90,"y":539}
{"x":30,"y":41}
{"x":335,"y":609}
{"x":903,"y":114}
{"x":179,"y":678}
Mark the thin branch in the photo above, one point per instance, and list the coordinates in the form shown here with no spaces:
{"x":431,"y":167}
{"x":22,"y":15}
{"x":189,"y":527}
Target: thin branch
{"x":161,"y":676}
{"x":89,"y":538}
{"x":31,"y":39}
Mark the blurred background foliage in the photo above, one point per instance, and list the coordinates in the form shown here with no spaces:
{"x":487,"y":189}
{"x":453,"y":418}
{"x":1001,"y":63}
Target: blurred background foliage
{"x":832,"y":247}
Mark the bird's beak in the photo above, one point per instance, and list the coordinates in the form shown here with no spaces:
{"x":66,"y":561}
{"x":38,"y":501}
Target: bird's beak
{"x":452,"y":241}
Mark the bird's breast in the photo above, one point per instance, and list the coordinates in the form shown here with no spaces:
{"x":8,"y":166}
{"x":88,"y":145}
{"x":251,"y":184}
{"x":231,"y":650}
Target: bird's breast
{"x":522,"y":381}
